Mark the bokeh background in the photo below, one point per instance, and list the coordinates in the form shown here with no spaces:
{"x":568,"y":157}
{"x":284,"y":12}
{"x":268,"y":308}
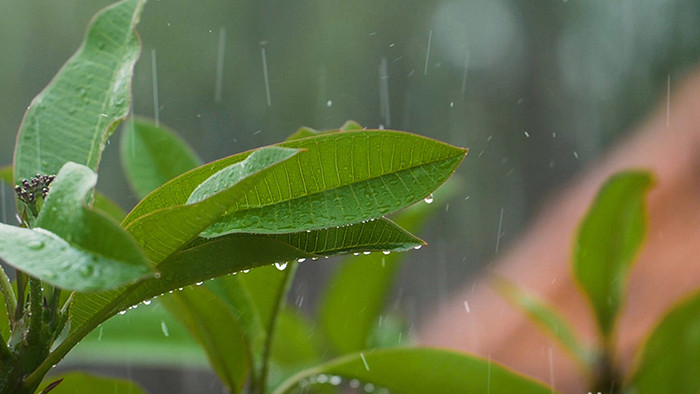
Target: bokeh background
{"x":536,"y":90}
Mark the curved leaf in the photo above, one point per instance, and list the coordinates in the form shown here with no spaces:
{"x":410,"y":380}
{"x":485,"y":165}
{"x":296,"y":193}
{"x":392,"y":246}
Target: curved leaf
{"x":84,"y":383}
{"x":670,"y":360}
{"x":214,"y":326}
{"x":355,"y":296}
{"x":72,"y":247}
{"x":73,"y":117}
{"x":324,"y":186}
{"x":608,"y":240}
{"x":422,"y":370}
{"x":153,"y":155}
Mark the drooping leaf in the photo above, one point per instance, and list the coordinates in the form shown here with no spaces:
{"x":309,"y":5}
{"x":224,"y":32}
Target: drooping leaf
{"x":147,"y":335}
{"x":608,"y":241}
{"x":153,"y":155}
{"x":203,"y":261}
{"x":342,"y":178}
{"x":84,"y":383}
{"x":670,"y":359}
{"x":421,"y":370}
{"x":167,"y":230}
{"x":355,"y":296}
{"x":214,"y":326}
{"x":390,"y":170}
{"x":74,"y":116}
{"x":547,"y":318}
{"x":71,"y":246}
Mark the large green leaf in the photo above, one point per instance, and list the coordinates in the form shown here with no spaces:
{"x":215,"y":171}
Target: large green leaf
{"x":147,"y":335}
{"x":548,"y":319}
{"x":71,"y":246}
{"x":608,"y":241}
{"x":166,"y":230}
{"x":83,"y":383}
{"x":153,"y":155}
{"x":420,"y":370}
{"x":215,"y":327}
{"x":73,"y":117}
{"x":205,"y":260}
{"x":670,"y":360}
{"x":340,"y":178}
{"x":355,"y":296}
{"x":295,"y":341}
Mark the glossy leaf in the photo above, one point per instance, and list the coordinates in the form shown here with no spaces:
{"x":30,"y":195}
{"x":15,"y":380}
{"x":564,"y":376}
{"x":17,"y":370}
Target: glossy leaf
{"x":670,"y":360}
{"x":404,"y":169}
{"x":342,"y":178}
{"x":355,"y":296}
{"x":146,"y":335}
{"x":84,"y":383}
{"x":608,"y":241}
{"x":547,"y":318}
{"x":71,"y":246}
{"x":421,"y":370}
{"x":76,"y":113}
{"x":214,"y":326}
{"x":153,"y":155}
{"x":167,"y":230}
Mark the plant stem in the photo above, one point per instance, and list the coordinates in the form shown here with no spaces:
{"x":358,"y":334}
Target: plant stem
{"x":9,"y":295}
{"x":267,"y":349}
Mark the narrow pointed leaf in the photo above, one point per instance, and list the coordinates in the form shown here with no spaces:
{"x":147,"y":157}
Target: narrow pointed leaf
{"x":342,"y":178}
{"x":214,"y":326}
{"x":73,"y":117}
{"x":355,"y":296}
{"x":608,"y":241}
{"x":422,"y":370}
{"x":547,"y":318}
{"x":84,"y":383}
{"x":152,"y":155}
{"x":164,"y":231}
{"x":71,"y":246}
{"x":670,"y":359}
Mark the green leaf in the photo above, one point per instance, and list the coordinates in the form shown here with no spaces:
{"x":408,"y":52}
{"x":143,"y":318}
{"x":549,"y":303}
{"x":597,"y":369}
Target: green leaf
{"x":146,"y":335}
{"x":295,"y":342}
{"x":163,"y":232}
{"x":153,"y":155}
{"x":608,"y":241}
{"x":355,"y":296}
{"x":670,"y":360}
{"x":305,"y":132}
{"x":209,"y":259}
{"x":342,"y":178}
{"x":76,"y":113}
{"x":214,"y":326}
{"x":103,"y":204}
{"x":71,"y":246}
{"x":392,"y":170}
{"x":422,"y":370}
{"x":83,"y":383}
{"x":547,"y":318}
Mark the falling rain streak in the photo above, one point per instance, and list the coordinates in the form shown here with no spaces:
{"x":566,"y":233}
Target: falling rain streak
{"x":364,"y":361}
{"x":427,"y":52}
{"x":154,"y":81}
{"x":499,"y":235}
{"x":221,"y":51}
{"x":265,"y":75}
{"x":464,"y":76}
{"x":668,"y":100}
{"x":384,"y":93}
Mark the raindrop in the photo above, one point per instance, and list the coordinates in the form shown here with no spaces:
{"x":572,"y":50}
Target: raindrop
{"x":527,"y":135}
{"x":364,"y":361}
{"x":164,"y":328}
{"x":122,"y":312}
{"x":246,"y":271}
{"x":336,"y":380}
{"x":429,"y":199}
{"x":329,"y":103}
{"x":369,"y":387}
{"x":366,"y":252}
{"x":322,"y":378}
{"x":356,"y":254}
{"x":199,"y":283}
{"x":301,"y":260}
{"x":418,"y":247}
{"x":147,"y":302}
{"x":354,"y":383}
{"x":386,"y":251}
{"x":35,"y":245}
{"x":281,"y":266}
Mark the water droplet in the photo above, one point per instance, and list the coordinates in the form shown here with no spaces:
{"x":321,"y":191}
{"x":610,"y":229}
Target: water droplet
{"x":199,"y":283}
{"x":356,"y":254}
{"x":386,"y":251}
{"x":35,"y":245}
{"x":246,"y":271}
{"x":122,"y":312}
{"x":418,"y":247}
{"x":329,"y":103}
{"x":281,"y":266}
{"x":354,"y":383}
{"x":322,"y":378}
{"x":336,"y":380}
{"x":147,"y":302}
{"x":369,"y":387}
{"x":429,"y":199}
{"x":366,"y":252}
{"x":301,"y":260}
{"x":164,"y":328}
